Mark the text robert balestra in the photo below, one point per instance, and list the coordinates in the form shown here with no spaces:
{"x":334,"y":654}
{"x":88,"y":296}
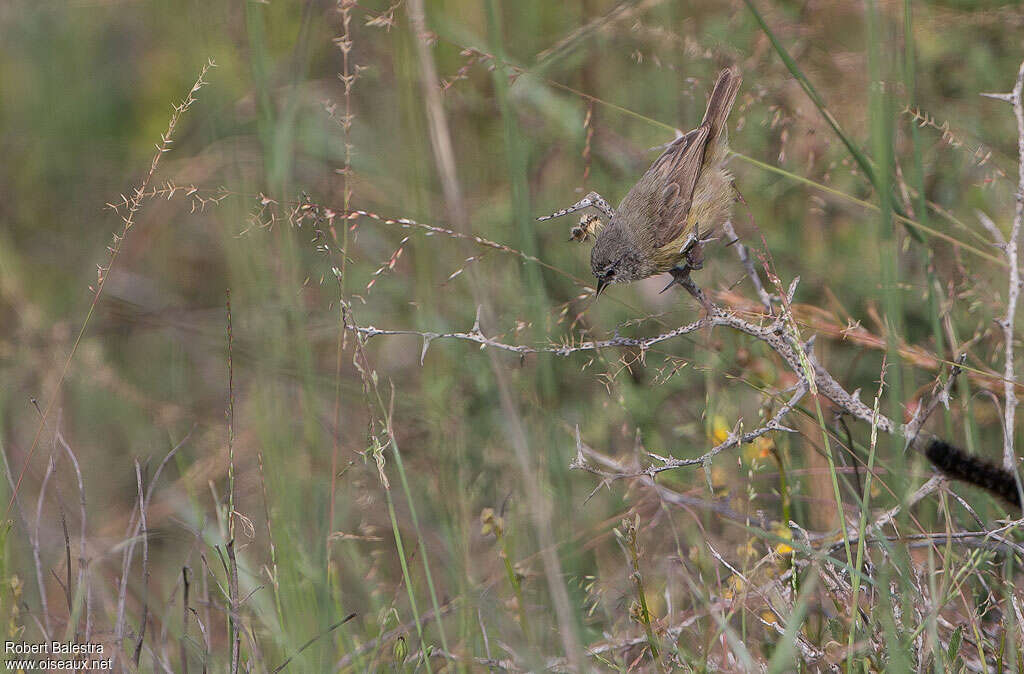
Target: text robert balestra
{"x":51,"y":648}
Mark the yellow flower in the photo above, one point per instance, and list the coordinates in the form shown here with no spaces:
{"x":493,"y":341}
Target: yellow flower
{"x":734,"y":586}
{"x":782,"y":531}
{"x":720,"y":429}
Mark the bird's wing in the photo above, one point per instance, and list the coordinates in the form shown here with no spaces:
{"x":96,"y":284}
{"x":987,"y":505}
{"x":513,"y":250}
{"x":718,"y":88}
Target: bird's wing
{"x":661,"y":201}
{"x":662,"y":198}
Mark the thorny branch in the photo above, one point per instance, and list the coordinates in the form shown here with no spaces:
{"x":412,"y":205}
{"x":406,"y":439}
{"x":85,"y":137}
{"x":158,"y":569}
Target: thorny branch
{"x":773,"y":331}
{"x":940,"y":396}
{"x":1010,"y":248}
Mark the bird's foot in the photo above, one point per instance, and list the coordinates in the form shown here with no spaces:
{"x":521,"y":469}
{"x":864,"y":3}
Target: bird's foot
{"x":693,"y":249}
{"x":680,"y":275}
{"x":693,"y":254}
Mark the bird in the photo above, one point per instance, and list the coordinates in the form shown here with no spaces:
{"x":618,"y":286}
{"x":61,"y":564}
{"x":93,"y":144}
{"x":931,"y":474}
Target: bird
{"x":679,"y":204}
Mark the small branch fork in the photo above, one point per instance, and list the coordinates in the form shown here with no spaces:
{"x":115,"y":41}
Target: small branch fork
{"x":748,"y":265}
{"x":735,"y":439}
{"x":1010,"y":248}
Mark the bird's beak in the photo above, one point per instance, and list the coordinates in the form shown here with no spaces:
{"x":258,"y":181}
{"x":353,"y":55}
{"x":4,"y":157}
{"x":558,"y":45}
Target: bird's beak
{"x":601,"y":285}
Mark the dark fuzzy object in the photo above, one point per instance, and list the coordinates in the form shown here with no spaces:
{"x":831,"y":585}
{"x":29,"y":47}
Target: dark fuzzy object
{"x":957,"y":464}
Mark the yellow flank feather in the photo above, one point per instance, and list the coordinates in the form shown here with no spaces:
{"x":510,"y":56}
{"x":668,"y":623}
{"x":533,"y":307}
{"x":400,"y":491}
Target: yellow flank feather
{"x":711,"y":207}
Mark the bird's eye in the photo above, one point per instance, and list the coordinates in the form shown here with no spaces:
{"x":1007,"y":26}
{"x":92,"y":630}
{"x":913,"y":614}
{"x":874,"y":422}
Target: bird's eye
{"x":610,"y":272}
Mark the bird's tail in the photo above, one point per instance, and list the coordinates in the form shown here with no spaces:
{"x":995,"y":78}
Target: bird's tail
{"x":721,"y":102}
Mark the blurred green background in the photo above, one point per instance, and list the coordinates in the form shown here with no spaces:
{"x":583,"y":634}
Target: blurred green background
{"x":554,"y":100}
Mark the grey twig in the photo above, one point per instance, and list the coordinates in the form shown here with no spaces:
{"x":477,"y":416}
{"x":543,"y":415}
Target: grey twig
{"x":1010,"y":247}
{"x":82,"y":583}
{"x":132,"y":539}
{"x":609,"y":469}
{"x":748,"y":264}
{"x":941,"y":396}
{"x":145,"y":564}
{"x":43,"y":603}
{"x":889,"y":515}
{"x":774,"y":334}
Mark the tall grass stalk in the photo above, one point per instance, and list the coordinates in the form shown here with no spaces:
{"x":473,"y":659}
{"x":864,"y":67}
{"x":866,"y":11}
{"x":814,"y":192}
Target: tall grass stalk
{"x":865,"y":509}
{"x":235,"y":629}
{"x":372,"y":389}
{"x":406,"y":576}
{"x":627,"y":535}
{"x":133,"y":205}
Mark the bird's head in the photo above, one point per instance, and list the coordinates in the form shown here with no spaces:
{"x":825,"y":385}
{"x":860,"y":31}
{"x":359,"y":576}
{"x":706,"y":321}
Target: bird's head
{"x":615,"y":258}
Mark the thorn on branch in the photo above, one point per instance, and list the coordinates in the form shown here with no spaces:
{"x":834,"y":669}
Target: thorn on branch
{"x":476,"y":322}
{"x":428,"y":337}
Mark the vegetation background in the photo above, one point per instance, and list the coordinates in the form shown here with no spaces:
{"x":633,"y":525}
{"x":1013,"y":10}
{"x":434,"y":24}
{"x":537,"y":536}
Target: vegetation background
{"x":428,"y":491}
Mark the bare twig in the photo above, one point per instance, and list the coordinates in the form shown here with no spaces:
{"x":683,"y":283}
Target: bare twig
{"x":145,"y":563}
{"x":888,"y":516}
{"x":1010,"y":247}
{"x":779,"y":339}
{"x":940,"y":396}
{"x":608,"y":469}
{"x":233,"y":597}
{"x":735,"y":439}
{"x":183,"y":644}
{"x":131,"y":537}
{"x":40,"y":577}
{"x":82,"y":583}
{"x":773,"y":334}
{"x":744,"y":255}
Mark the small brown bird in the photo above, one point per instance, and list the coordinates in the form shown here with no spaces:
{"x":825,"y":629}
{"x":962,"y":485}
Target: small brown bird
{"x":679,"y":203}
